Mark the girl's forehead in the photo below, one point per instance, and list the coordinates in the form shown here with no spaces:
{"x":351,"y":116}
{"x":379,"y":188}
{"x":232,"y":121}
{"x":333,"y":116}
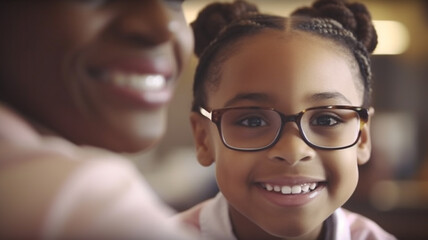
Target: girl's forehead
{"x":297,"y":40}
{"x":275,"y":52}
{"x":279,"y":64}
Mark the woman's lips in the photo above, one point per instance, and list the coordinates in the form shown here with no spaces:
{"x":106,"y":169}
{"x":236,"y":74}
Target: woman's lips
{"x":138,"y":82}
{"x":146,"y":83}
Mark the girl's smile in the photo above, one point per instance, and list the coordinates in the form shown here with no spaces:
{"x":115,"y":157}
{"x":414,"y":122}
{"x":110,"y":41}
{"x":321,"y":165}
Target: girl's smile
{"x":291,"y":192}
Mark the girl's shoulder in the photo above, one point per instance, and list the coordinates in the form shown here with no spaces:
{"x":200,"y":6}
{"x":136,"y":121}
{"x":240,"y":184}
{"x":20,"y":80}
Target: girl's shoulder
{"x":191,"y":216}
{"x":210,"y":219}
{"x":359,"y":227}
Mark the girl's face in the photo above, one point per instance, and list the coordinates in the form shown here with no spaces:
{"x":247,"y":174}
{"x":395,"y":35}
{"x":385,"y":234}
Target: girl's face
{"x":98,"y":72}
{"x":289,"y":74}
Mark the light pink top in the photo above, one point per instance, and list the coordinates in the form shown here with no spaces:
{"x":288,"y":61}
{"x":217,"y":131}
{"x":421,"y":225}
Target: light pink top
{"x":53,"y":189}
{"x":211,"y":219}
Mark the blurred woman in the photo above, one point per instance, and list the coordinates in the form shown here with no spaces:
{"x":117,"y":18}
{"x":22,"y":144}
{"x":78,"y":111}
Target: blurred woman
{"x":78,"y":80}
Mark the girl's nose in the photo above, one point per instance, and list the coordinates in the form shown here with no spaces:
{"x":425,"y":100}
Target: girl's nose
{"x":290,"y":147}
{"x":144,"y":23}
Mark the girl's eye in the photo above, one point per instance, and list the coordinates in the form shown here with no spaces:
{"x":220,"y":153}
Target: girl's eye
{"x":252,"y":122}
{"x":325,"y":120}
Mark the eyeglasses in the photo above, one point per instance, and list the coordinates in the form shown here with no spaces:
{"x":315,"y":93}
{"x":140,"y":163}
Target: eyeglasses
{"x":258,"y":128}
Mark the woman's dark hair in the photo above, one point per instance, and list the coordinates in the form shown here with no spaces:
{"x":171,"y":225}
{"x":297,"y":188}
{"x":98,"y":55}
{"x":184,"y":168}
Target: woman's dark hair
{"x":219,"y":26}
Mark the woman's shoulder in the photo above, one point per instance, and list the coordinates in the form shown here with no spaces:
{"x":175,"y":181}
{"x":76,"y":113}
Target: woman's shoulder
{"x":47,"y":182}
{"x":23,"y":145}
{"x":66,"y":190}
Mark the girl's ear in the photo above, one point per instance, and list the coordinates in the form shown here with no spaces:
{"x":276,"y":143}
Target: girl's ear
{"x":200,"y":129}
{"x":364,"y":147}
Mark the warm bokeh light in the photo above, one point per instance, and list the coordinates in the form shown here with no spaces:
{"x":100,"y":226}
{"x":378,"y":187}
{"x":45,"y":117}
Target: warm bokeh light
{"x":393,"y":37}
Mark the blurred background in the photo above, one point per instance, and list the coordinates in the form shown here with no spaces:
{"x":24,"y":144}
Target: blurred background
{"x":393,"y":187}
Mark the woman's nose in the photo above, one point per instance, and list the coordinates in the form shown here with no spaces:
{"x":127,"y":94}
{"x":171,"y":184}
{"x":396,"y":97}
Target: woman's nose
{"x":144,"y":23}
{"x":290,"y":147}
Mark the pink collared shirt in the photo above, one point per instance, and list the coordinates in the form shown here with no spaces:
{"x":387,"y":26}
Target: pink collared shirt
{"x":53,"y":189}
{"x":211,"y":220}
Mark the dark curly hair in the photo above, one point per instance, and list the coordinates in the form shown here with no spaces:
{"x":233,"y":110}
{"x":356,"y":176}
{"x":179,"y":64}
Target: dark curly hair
{"x":219,"y":26}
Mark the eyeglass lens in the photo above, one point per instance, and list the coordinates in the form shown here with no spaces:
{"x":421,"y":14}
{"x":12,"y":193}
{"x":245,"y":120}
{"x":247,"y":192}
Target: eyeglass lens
{"x":259,"y":128}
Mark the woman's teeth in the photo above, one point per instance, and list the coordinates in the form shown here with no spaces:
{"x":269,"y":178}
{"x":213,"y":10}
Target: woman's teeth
{"x":295,"y":189}
{"x":139,"y":82}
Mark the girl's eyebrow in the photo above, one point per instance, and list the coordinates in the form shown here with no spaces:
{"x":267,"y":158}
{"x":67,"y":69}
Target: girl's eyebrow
{"x":328,"y":95}
{"x":264,"y":98}
{"x":257,"y":97}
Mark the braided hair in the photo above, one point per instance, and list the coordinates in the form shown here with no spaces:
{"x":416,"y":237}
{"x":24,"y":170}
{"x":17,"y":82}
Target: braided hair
{"x":348,"y":24}
{"x":219,"y":27}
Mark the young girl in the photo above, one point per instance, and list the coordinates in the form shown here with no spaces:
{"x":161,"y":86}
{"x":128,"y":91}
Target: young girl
{"x":282,"y":107}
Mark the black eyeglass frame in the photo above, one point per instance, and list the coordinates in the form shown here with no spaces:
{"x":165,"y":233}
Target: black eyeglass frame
{"x":216,"y":114}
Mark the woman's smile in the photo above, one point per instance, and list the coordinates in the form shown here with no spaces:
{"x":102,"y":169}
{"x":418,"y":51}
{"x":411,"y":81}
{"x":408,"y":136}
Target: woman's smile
{"x":147,"y":82}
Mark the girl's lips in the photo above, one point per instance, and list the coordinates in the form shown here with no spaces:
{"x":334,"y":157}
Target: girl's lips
{"x":291,"y":189}
{"x":290,"y":180}
{"x":301,"y":188}
{"x":291,"y":192}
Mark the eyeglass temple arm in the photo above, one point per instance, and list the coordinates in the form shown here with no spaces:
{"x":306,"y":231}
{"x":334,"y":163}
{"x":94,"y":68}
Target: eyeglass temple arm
{"x":365,"y":118}
{"x":205,"y":113}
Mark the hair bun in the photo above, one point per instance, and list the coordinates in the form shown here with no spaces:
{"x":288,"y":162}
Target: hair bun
{"x":214,"y":17}
{"x":353,"y":16}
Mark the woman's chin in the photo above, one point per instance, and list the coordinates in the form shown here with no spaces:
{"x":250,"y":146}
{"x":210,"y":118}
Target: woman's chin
{"x":131,"y":145}
{"x":135,"y":132}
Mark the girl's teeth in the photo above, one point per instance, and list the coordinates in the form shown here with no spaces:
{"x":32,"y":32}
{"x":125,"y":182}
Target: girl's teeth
{"x":296,"y":189}
{"x":140,"y":82}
